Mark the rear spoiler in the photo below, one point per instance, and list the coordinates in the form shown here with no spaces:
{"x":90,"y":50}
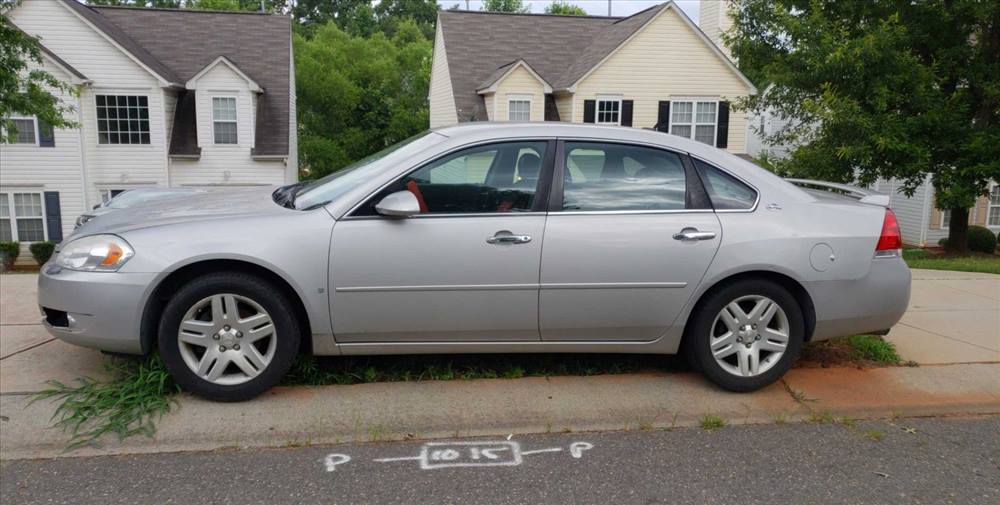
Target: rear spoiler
{"x":860,"y":194}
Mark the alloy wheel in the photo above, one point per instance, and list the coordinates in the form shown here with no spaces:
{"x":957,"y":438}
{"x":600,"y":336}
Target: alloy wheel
{"x":749,"y":335}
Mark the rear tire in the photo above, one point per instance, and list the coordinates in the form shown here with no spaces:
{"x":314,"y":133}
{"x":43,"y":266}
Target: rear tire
{"x":239,"y":336}
{"x":746,"y":335}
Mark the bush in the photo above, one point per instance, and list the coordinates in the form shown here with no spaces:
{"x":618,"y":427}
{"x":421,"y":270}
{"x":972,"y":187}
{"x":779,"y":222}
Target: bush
{"x":982,"y":240}
{"x":8,"y":254}
{"x":42,"y":251}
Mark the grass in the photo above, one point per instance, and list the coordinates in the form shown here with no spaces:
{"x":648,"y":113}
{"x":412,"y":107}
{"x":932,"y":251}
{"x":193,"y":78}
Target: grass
{"x":859,"y":350}
{"x":711,"y":422}
{"x":974,"y":262}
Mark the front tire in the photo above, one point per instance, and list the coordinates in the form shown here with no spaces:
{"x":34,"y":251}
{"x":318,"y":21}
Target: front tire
{"x":228,"y":336}
{"x":746,"y":335}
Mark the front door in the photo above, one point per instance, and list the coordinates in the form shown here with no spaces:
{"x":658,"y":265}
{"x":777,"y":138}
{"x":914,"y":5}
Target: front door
{"x":464,"y":269}
{"x":629,"y":246}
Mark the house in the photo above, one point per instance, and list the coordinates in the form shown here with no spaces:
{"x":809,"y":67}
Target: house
{"x":166,"y":98}
{"x":654,"y":69}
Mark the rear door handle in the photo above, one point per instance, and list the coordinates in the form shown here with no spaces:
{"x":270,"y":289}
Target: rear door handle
{"x":694,"y":234}
{"x":506,"y":237}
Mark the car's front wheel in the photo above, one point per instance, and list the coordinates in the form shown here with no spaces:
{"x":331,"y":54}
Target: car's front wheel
{"x":228,"y":336}
{"x":746,"y":335}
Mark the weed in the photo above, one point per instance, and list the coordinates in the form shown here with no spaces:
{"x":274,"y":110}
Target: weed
{"x":873,"y":348}
{"x":848,"y":422}
{"x":711,"y":422}
{"x":126,"y":405}
{"x":781,"y":418}
{"x":376,"y":433}
{"x":874,"y":434}
{"x":645,"y":424}
{"x":821,"y":417}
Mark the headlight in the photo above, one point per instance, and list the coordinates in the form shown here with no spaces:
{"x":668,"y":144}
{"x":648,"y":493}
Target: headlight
{"x":96,"y":253}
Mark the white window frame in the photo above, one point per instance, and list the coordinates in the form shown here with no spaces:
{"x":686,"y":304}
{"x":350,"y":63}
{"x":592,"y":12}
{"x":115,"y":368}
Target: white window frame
{"x":34,"y":122}
{"x":148,"y":120}
{"x":945,"y":219}
{"x":234,"y":121}
{"x":609,"y":99}
{"x":990,"y":205}
{"x":519,"y":98}
{"x":694,"y":124}
{"x":13,"y":216}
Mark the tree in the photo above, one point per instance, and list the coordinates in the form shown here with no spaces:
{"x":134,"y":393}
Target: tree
{"x":26,"y":91}
{"x":391,"y":12}
{"x":358,"y":95}
{"x":514,"y":6}
{"x":564,"y":9}
{"x":881,"y":89}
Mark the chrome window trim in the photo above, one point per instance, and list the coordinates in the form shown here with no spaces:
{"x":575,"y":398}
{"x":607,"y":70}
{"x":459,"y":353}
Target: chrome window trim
{"x":756,"y":191}
{"x":628,"y":212}
{"x":438,"y":216}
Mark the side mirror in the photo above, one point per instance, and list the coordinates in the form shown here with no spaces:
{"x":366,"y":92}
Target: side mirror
{"x":398,"y":204}
{"x":98,"y":206}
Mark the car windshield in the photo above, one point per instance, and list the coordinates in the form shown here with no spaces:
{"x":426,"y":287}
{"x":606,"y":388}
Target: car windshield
{"x":130,"y":198}
{"x":335,"y":185}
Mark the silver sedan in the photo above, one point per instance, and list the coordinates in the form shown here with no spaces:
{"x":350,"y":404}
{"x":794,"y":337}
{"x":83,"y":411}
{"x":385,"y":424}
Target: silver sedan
{"x":487,"y":238}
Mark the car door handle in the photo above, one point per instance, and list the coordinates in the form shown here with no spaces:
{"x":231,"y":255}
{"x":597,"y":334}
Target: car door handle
{"x":694,"y":234}
{"x":508,"y":238}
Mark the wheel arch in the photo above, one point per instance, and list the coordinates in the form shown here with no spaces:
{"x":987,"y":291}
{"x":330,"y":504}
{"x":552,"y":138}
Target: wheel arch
{"x":797,"y":290}
{"x":167,"y":286}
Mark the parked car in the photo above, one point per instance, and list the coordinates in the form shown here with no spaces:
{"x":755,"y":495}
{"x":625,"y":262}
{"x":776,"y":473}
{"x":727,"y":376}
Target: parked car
{"x":131,"y":198}
{"x":486,"y":238}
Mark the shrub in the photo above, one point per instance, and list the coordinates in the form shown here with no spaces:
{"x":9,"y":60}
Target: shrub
{"x":943,"y":242}
{"x":42,"y":251}
{"x":982,"y":240}
{"x":8,"y":254}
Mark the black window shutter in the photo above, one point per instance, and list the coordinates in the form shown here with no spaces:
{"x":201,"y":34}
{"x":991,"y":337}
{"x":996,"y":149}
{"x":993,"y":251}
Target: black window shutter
{"x":53,"y":216}
{"x":627,"y":112}
{"x":722,"y":130}
{"x":663,"y":117}
{"x":589,"y":109}
{"x":46,"y":134}
{"x":551,"y":111}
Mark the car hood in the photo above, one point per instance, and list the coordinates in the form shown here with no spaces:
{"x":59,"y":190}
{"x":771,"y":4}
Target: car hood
{"x":213,"y":204}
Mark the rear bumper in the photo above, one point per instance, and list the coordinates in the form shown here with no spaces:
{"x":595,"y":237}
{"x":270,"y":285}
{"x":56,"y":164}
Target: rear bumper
{"x":867,"y":305}
{"x":100,"y":310}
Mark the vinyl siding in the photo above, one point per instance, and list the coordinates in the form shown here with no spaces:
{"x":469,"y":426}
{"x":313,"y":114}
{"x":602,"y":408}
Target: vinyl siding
{"x":714,"y":21}
{"x":564,"y":103}
{"x":666,"y":59}
{"x":520,"y":82}
{"x":909,"y":210}
{"x":441,"y":97}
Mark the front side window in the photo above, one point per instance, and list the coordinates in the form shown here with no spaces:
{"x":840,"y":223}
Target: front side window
{"x":993,"y":210}
{"x":609,"y":111}
{"x":224,"y":119}
{"x":25,"y":131}
{"x":613,"y":177}
{"x":21,"y":217}
{"x":519,"y":109}
{"x":694,"y":120}
{"x":483,"y":179}
{"x":122,"y":119}
{"x":725,"y":191}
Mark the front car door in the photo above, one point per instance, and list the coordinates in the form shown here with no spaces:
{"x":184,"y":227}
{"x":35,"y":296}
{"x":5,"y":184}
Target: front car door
{"x":464,"y":269}
{"x":629,"y":236}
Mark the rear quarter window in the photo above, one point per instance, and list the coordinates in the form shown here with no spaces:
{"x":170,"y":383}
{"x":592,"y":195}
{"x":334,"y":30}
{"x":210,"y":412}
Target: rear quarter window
{"x":725,"y":191}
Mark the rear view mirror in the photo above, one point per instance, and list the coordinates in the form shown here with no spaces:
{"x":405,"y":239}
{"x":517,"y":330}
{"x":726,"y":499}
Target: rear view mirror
{"x":398,"y":204}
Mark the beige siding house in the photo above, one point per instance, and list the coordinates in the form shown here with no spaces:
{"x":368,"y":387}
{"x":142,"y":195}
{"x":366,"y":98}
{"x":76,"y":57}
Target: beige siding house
{"x":655,"y":69}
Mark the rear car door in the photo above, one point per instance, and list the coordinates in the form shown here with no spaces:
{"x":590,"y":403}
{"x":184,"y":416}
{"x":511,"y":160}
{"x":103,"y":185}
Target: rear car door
{"x":464,"y":269}
{"x":629,"y":236}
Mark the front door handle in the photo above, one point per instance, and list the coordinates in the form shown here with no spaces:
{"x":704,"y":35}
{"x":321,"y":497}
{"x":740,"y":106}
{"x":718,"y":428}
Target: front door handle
{"x":694,"y":234}
{"x":506,"y":237}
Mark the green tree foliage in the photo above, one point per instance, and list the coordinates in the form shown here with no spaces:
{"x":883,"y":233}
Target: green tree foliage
{"x":391,"y":12}
{"x":357,"y":95}
{"x":881,"y":88}
{"x":564,"y":9}
{"x":25,"y":88}
{"x":516,"y":6}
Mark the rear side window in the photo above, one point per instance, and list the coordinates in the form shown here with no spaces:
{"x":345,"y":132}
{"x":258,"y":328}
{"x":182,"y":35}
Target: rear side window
{"x":725,"y":191}
{"x":614,"y":177}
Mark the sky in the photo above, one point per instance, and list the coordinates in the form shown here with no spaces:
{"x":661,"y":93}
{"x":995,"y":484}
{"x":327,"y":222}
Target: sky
{"x":594,"y":7}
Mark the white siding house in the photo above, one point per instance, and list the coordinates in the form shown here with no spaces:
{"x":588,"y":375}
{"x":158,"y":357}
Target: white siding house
{"x":165,"y":98}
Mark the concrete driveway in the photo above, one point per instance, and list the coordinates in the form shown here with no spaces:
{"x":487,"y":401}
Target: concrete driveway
{"x":954,"y":317}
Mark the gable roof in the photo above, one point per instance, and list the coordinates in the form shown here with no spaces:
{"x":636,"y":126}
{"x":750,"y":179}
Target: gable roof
{"x":482,"y":46}
{"x":192,"y":83}
{"x":501,"y":73}
{"x":177,"y":44}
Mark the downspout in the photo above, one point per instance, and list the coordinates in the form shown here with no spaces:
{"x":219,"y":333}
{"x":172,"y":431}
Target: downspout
{"x":166,"y":139}
{"x":83,"y":150}
{"x":926,"y":218}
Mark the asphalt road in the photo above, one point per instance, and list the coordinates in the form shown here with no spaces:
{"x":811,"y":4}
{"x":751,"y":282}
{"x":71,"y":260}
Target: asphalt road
{"x":944,"y":460}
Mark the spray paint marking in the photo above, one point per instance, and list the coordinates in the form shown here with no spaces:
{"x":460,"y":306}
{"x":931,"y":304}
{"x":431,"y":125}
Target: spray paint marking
{"x":332,"y":460}
{"x":435,"y":455}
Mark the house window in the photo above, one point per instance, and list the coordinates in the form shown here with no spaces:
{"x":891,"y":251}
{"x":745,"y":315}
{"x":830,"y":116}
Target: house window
{"x":21,"y":216}
{"x":993,"y":207}
{"x":224,"y":119}
{"x":519,"y":108}
{"x":26,"y":131}
{"x":108,"y":194}
{"x":122,"y":119}
{"x":945,"y":218}
{"x":609,"y":110}
{"x":695,"y":119}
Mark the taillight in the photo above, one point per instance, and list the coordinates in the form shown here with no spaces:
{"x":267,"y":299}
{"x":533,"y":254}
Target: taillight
{"x":891,"y":239}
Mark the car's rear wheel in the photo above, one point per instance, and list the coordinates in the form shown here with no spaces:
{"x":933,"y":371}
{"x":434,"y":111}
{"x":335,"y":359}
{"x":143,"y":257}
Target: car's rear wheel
{"x":228,"y":336}
{"x":746,"y":335}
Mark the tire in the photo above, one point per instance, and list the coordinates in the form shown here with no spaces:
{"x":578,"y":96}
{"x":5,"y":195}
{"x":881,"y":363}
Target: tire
{"x":253,"y":355}
{"x":710,"y":328}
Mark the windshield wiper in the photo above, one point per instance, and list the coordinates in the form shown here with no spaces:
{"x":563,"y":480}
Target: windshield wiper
{"x":285,"y":195}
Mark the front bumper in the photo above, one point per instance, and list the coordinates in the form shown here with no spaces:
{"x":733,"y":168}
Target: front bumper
{"x":100,"y":310}
{"x":871,"y":304}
